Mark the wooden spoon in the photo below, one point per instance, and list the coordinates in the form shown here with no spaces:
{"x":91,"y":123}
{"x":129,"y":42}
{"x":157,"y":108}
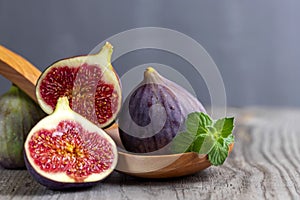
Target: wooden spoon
{"x":22,"y":73}
{"x":19,"y":71}
{"x":158,"y":166}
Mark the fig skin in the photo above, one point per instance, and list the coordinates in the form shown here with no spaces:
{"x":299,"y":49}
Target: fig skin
{"x":55,"y":185}
{"x":154,"y":113}
{"x":90,"y":82}
{"x":59,"y":179}
{"x":18,"y":114}
{"x":140,"y":105}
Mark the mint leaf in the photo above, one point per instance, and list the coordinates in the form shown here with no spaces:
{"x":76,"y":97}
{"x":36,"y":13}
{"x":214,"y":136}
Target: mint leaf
{"x":205,"y":136}
{"x":197,"y":143}
{"x":218,"y":154}
{"x":207,"y":145}
{"x":182,"y":142}
{"x":196,"y":125}
{"x":205,"y":119}
{"x":229,"y":140}
{"x":224,"y":126}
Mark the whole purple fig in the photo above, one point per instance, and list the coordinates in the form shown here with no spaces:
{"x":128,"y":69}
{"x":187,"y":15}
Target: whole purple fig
{"x":154,"y":113}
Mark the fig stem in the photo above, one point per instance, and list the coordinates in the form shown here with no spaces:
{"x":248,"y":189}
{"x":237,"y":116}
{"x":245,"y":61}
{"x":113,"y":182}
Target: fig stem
{"x":150,"y":71}
{"x":106,"y":53}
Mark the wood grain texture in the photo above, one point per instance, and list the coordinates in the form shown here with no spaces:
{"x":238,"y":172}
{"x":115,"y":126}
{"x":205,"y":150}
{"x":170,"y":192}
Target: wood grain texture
{"x":19,"y":70}
{"x":265,"y":164}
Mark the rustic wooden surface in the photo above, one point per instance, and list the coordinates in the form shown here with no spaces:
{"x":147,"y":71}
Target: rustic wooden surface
{"x":264,"y":164}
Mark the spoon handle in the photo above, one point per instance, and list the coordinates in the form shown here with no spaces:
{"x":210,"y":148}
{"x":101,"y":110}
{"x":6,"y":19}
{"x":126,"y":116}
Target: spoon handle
{"x":19,"y":71}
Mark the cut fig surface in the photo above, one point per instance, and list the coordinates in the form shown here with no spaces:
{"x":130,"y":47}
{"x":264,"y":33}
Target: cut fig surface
{"x":66,"y":150}
{"x":90,"y":83}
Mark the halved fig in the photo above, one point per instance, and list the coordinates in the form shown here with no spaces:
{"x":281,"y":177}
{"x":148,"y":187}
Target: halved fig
{"x":66,"y":150}
{"x":90,"y":82}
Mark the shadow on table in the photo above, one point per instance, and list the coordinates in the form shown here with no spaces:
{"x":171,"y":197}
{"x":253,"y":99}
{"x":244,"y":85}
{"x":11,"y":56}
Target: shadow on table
{"x":122,"y":179}
{"x":20,"y":183}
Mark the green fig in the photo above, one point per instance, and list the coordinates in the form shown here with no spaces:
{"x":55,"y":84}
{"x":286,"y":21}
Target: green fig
{"x":18,"y":114}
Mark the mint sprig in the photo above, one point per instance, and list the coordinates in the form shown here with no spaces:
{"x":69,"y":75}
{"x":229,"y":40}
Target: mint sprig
{"x":205,"y":136}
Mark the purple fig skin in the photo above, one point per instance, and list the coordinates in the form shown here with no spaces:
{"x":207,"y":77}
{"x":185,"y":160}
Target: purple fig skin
{"x":54,"y":185}
{"x":143,"y":129}
{"x":139,"y":107}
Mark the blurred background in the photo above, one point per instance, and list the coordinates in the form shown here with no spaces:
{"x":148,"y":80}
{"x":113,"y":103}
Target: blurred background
{"x":255,"y":44}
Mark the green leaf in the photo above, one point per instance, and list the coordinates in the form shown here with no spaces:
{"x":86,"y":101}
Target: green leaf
{"x":218,"y":154}
{"x":196,"y":125}
{"x":205,"y":119}
{"x":197,"y":143}
{"x":224,"y":126}
{"x":182,"y":142}
{"x":229,"y":140}
{"x":205,"y":136}
{"x":192,"y":123}
{"x":207,"y":145}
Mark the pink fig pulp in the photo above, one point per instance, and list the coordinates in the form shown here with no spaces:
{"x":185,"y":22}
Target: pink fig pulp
{"x":90,"y":82}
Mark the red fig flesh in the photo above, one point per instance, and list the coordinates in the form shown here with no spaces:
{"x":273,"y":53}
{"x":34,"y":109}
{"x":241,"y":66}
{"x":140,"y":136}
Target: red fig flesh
{"x":66,"y":150}
{"x":90,"y":83}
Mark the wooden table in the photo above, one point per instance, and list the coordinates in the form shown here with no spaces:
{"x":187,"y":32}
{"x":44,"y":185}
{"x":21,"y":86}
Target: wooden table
{"x":264,"y":164}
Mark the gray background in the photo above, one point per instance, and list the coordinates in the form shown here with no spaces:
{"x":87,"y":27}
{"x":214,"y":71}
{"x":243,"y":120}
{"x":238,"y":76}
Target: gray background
{"x":255,"y":43}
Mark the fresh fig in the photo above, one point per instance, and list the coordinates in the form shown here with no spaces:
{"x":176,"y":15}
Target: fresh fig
{"x":65,"y":150}
{"x":154,"y":113}
{"x":90,"y":83}
{"x":18,"y":114}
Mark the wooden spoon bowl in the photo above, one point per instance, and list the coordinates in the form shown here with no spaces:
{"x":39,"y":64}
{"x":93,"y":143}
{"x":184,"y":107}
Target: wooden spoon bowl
{"x":158,"y":166}
{"x":25,"y":75}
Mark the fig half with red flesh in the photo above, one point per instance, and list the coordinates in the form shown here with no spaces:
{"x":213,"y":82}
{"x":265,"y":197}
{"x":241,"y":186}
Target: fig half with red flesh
{"x":66,"y":150}
{"x":90,"y":82}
